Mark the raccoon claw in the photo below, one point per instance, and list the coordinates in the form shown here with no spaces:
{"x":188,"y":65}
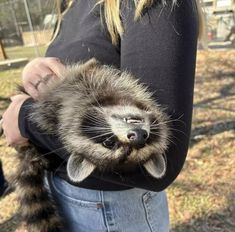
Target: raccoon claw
{"x":79,"y":168}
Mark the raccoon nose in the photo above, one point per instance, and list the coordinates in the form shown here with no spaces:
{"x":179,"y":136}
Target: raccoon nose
{"x":137,"y":137}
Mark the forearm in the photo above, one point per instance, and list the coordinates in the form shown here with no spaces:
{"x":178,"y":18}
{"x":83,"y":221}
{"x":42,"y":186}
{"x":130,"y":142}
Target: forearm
{"x":47,"y":143}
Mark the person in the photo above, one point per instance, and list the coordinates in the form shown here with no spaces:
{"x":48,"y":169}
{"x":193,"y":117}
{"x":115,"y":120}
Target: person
{"x":154,"y":40}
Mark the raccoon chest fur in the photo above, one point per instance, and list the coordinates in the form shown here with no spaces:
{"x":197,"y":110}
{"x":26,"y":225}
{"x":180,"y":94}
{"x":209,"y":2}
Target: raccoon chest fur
{"x":105,"y":119}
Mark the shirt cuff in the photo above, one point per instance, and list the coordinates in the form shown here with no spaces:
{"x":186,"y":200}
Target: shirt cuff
{"x":24,"y":116}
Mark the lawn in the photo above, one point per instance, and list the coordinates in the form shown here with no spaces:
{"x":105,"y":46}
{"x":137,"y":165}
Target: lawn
{"x":202,"y":199}
{"x":28,"y":52}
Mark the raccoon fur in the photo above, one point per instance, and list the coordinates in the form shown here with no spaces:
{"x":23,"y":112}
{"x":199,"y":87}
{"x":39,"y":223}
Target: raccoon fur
{"x":105,"y":119}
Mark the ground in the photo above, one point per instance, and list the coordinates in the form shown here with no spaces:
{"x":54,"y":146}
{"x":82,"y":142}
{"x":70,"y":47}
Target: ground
{"x":202,"y":199}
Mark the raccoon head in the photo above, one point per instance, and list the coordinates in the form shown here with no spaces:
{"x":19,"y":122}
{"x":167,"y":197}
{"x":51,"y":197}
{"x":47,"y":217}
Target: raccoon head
{"x":122,"y":137}
{"x":113,"y":123}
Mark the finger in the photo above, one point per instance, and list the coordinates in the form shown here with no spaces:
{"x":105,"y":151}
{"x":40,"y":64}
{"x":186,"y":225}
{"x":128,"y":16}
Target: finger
{"x":42,"y":87}
{"x":56,"y":66}
{"x":36,"y":80}
{"x":12,"y":98}
{"x":38,"y":72}
{"x":44,"y":71}
{"x":48,"y":78}
{"x":15,"y":97}
{"x":18,"y":97}
{"x":50,"y":66}
{"x":31,"y":90}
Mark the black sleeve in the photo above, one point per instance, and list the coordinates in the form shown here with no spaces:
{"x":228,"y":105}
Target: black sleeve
{"x":46,"y":143}
{"x":160,"y":49}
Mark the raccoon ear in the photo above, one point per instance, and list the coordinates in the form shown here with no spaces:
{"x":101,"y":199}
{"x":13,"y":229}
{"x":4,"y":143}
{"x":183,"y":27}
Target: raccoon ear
{"x":156,"y":166}
{"x":78,"y":168}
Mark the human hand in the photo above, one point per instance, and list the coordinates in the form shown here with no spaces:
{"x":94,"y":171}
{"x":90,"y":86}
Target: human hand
{"x":10,"y":121}
{"x":38,"y":72}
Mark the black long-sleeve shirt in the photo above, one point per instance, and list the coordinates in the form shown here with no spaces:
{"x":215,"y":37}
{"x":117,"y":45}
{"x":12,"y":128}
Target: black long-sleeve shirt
{"x":159,"y":49}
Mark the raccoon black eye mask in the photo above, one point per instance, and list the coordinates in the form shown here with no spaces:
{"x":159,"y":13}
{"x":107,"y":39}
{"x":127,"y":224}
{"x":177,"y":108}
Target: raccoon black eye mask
{"x":105,"y":119}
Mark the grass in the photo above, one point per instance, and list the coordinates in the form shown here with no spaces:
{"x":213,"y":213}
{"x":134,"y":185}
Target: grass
{"x":28,"y":52}
{"x":202,"y":199}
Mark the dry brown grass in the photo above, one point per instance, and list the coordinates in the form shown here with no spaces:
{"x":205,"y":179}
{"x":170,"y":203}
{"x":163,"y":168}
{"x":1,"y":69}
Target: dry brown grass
{"x":202,"y":198}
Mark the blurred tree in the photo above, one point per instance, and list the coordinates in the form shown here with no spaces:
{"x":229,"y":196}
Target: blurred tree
{"x":13,"y":18}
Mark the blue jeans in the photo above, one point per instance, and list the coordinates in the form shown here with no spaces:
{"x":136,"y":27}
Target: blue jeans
{"x":134,"y":210}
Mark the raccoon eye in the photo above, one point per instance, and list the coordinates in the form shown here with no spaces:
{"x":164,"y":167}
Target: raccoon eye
{"x":109,"y":143}
{"x":134,"y":119}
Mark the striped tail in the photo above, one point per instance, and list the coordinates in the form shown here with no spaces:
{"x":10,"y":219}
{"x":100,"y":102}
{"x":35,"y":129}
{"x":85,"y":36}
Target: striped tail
{"x":37,"y":208}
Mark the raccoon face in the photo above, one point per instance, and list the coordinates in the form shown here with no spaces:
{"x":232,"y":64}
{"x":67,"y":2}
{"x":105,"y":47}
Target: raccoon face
{"x":118,"y":126}
{"x":119,"y":136}
{"x":130,"y":126}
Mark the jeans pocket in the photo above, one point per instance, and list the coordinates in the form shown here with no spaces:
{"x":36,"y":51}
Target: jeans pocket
{"x":74,"y":207}
{"x":156,"y":210}
{"x":69,"y":193}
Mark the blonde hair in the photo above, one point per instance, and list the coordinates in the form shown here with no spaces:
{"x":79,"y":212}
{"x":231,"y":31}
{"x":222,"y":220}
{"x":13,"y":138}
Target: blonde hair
{"x":113,"y":20}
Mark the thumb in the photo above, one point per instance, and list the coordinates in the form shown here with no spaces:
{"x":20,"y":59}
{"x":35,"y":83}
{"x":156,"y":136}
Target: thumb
{"x":13,"y":98}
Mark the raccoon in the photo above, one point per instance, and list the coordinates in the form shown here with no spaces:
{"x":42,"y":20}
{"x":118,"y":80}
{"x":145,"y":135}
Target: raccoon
{"x":105,"y":119}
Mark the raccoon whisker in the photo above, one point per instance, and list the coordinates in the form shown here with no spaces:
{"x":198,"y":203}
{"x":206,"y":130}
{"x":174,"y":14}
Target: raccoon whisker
{"x":98,"y":136}
{"x":153,"y":122}
{"x":95,"y":119}
{"x":176,"y":119}
{"x":160,"y":123}
{"x":172,"y":141}
{"x":51,"y":152}
{"x":95,"y":129}
{"x":170,"y":128}
{"x":96,"y":125}
{"x":84,"y":140}
{"x":96,"y":100}
{"x":92,"y":115}
{"x":180,"y":131}
{"x":169,"y":121}
{"x":99,"y":109}
{"x":88,"y":139}
{"x":167,"y":138}
{"x":155,"y":133}
{"x":111,"y":136}
{"x":65,"y":146}
{"x":174,"y":137}
{"x":94,"y":93}
{"x":57,"y":169}
{"x":120,"y":175}
{"x":98,"y":122}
